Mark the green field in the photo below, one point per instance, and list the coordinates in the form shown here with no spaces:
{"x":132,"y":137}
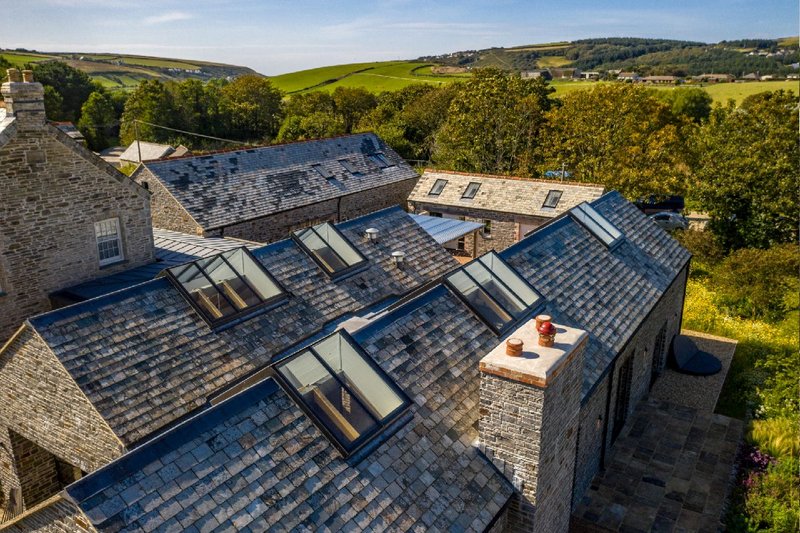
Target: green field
{"x":720,"y":92}
{"x":144,"y":61}
{"x":375,"y":77}
{"x":20,"y":59}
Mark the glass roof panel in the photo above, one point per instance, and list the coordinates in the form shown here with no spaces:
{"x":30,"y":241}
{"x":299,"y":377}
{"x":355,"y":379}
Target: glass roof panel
{"x":597,"y":224}
{"x":330,"y":249}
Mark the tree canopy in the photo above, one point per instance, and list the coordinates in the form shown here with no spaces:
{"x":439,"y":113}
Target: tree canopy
{"x":71,"y":86}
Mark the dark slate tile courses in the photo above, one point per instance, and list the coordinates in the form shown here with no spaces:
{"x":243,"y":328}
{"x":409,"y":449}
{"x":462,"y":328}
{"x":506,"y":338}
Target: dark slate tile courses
{"x":222,"y":189}
{"x":426,"y":475}
{"x":145,"y":359}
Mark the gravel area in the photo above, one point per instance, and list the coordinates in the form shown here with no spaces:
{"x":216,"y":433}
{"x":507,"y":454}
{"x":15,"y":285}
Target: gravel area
{"x":699,"y":392}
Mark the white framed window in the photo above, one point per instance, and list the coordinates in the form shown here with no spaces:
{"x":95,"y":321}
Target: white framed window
{"x":109,"y":241}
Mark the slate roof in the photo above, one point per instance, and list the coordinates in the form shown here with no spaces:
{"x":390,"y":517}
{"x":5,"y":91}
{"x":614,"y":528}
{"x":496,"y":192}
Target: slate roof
{"x":150,"y":151}
{"x":226,"y":188}
{"x":256,"y":463}
{"x":144,"y":358}
{"x":502,"y":194}
{"x":446,"y":229}
{"x":171,"y":248}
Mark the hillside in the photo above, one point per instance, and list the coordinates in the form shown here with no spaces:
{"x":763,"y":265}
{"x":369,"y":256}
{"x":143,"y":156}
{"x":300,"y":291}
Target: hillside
{"x":121,"y":71}
{"x":647,"y":56}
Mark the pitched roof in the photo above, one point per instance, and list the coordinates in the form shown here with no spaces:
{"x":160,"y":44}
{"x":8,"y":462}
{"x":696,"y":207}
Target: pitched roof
{"x":257,"y":461}
{"x":226,"y":188}
{"x":150,"y":151}
{"x":502,"y":194}
{"x":446,"y":229}
{"x":144,"y":358}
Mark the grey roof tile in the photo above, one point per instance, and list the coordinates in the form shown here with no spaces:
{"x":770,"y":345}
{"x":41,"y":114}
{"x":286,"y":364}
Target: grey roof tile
{"x":221,"y":189}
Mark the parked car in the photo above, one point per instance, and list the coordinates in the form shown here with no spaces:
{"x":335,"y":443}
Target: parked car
{"x":670,"y":221}
{"x":656,"y":204}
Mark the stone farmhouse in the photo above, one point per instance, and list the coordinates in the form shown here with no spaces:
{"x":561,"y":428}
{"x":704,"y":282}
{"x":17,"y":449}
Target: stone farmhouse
{"x":263,"y":194}
{"x":323,"y":382}
{"x":508,"y":207}
{"x":65,"y":215}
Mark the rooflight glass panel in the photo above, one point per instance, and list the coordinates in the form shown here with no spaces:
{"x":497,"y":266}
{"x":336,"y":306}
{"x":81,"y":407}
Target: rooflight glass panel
{"x":597,"y":224}
{"x":471,"y":190}
{"x":494,"y":291}
{"x":380,"y":160}
{"x":226,"y":285}
{"x":329,"y":248}
{"x":437,"y":188}
{"x":322,"y":171}
{"x":553,"y":197}
{"x":342,"y":389}
{"x":348,"y":166}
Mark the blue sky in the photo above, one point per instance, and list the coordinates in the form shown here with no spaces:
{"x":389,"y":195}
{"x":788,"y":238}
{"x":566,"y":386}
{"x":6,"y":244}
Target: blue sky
{"x":279,"y":36}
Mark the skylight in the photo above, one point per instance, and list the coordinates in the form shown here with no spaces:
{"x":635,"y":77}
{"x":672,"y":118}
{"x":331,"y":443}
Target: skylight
{"x":226,"y":286}
{"x":471,"y":190}
{"x":494,"y":291}
{"x":553,"y":197}
{"x":348,"y":166}
{"x":342,"y":389}
{"x":437,"y":188}
{"x":597,"y":224}
{"x":332,"y":252}
{"x":380,"y":160}
{"x":322,"y":171}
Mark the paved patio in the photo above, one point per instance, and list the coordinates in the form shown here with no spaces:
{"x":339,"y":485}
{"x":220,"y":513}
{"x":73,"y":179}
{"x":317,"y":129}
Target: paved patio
{"x":672,"y":466}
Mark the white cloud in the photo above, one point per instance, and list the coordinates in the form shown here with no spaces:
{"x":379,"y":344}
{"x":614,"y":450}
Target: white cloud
{"x":170,"y":16}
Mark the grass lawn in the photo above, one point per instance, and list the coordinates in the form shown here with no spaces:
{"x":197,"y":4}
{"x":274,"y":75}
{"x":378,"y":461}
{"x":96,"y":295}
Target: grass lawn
{"x":20,"y":59}
{"x":552,"y":61}
{"x":720,"y":92}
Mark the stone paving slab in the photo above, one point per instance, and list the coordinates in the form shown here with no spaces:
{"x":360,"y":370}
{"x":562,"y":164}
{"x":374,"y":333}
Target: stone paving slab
{"x":670,"y":471}
{"x":700,"y":392}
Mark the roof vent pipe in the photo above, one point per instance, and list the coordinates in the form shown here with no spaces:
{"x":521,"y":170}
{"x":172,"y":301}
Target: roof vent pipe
{"x":372,"y":234}
{"x":398,"y":258}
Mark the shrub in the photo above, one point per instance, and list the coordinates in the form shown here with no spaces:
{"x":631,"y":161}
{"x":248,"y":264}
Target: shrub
{"x":777,"y":437}
{"x":772,"y":500}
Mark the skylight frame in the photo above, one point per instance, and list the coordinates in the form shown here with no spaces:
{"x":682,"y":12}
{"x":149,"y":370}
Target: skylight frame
{"x":598,"y":225}
{"x":348,"y":166}
{"x":379,"y":426}
{"x":434,"y":191}
{"x":332,"y":274}
{"x":466,"y":196}
{"x":174,"y":273}
{"x":515,"y":318}
{"x":322,"y":171}
{"x":549,"y":203}
{"x":380,"y":159}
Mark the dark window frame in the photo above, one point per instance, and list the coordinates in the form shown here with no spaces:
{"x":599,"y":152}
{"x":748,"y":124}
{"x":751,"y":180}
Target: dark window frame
{"x":604,"y":236}
{"x":269,"y":303}
{"x":349,"y":167}
{"x":380,"y":159}
{"x":515,"y":321}
{"x":549,"y":202}
{"x":378,"y":428}
{"x":360,"y":265}
{"x":474,"y":193}
{"x":322,"y":171}
{"x":441,"y":189}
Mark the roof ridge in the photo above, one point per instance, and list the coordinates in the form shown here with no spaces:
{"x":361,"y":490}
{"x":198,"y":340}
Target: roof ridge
{"x":513,"y":178}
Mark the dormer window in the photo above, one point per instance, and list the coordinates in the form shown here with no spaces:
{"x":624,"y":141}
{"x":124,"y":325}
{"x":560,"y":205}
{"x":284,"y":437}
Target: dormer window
{"x":344,"y":392}
{"x":553,"y":197}
{"x":471,"y":190}
{"x":109,"y":241}
{"x":494,"y":291}
{"x":329,"y":248}
{"x":226,"y":286}
{"x":597,"y":224}
{"x":437,"y":188}
{"x":380,"y":160}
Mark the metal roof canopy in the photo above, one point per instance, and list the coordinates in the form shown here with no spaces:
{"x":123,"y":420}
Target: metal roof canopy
{"x":446,"y":229}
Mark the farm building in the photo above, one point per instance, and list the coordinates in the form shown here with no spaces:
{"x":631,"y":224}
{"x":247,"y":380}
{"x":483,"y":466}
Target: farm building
{"x":139,"y":151}
{"x":508,"y":207}
{"x":293,"y":390}
{"x":263,"y":194}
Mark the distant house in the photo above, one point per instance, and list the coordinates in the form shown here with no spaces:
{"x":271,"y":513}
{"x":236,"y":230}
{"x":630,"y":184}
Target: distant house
{"x":661,"y":79}
{"x":565,"y":73}
{"x":263,"y":194}
{"x":150,"y":152}
{"x":70,"y":129}
{"x":628,"y":76}
{"x":508,"y":207}
{"x":751,"y":77}
{"x":545,"y":74}
{"x":591,"y":75}
{"x":714,"y":78}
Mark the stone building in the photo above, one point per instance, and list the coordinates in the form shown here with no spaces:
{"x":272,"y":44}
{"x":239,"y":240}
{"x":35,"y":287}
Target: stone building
{"x":508,"y":207}
{"x":263,"y":194}
{"x":66,"y":216}
{"x":347,"y":402}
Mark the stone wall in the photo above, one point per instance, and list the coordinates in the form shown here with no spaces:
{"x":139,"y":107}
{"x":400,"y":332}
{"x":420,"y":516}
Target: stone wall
{"x":280,"y":225}
{"x":38,"y":473}
{"x":40,"y":401}
{"x":667,"y":311}
{"x":55,"y":515}
{"x":53,"y":191}
{"x":167,"y":213}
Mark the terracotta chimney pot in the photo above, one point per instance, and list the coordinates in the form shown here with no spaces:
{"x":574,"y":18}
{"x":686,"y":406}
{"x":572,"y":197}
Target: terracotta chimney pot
{"x":542,"y":318}
{"x":27,"y":76}
{"x":14,"y":75}
{"x":514,"y":347}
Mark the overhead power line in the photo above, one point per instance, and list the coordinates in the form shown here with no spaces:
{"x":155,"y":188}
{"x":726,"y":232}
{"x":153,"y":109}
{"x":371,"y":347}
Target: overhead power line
{"x":190,"y":133}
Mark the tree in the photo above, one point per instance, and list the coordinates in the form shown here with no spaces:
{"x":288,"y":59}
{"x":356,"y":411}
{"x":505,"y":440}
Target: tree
{"x":252,"y":107}
{"x":746,"y":174}
{"x":692,"y":102}
{"x":621,"y":136}
{"x":149,"y":102}
{"x":98,"y":120}
{"x":73,"y":85}
{"x":310,"y":116}
{"x":53,"y":104}
{"x":351,"y":104}
{"x":494,"y":124}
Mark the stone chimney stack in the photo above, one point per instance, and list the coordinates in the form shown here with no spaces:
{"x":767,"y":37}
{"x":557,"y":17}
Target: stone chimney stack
{"x":529,"y":407}
{"x":24,"y":99}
